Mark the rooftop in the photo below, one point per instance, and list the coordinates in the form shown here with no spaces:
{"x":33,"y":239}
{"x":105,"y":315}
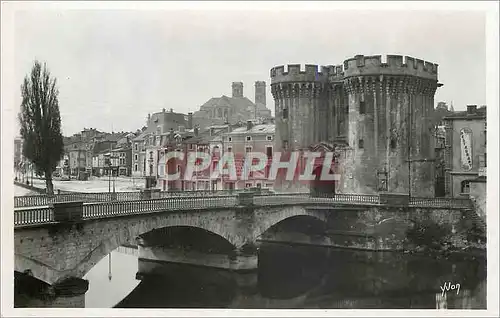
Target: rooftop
{"x":256,"y":129}
{"x":477,"y":113}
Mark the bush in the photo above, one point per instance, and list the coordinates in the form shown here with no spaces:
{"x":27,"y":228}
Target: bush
{"x":428,"y":235}
{"x":475,"y":234}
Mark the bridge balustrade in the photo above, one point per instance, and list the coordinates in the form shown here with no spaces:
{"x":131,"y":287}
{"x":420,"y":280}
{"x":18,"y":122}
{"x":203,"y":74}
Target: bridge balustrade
{"x":40,"y":215}
{"x":106,"y":209}
{"x":440,"y":202}
{"x":45,"y":200}
{"x":36,"y":215}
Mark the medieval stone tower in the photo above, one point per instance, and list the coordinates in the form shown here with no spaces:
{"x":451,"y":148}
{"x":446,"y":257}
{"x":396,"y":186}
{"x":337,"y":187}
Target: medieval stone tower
{"x":260,"y":92}
{"x":237,"y":89}
{"x":376,"y":116}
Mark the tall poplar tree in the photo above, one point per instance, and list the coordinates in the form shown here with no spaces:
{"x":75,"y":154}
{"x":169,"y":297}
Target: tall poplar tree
{"x":40,"y":122}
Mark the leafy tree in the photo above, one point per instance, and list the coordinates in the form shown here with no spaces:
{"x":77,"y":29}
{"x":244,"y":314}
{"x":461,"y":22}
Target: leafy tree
{"x":41,"y":122}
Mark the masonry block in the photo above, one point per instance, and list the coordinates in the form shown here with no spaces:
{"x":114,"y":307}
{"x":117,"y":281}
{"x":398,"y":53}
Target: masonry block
{"x":245,"y":198}
{"x":68,"y":211}
{"x":394,"y":199}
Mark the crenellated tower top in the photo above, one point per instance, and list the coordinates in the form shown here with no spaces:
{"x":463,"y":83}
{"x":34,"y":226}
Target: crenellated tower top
{"x":299,"y":73}
{"x":395,"y":65}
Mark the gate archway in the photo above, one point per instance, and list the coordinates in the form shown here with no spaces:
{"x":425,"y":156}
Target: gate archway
{"x":318,"y":186}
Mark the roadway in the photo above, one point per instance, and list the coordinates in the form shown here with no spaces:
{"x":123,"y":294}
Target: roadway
{"x":94,"y":185}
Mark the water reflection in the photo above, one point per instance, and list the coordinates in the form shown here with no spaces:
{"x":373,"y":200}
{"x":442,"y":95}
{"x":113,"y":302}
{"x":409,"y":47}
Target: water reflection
{"x":288,"y":277}
{"x":111,"y":279}
{"x":292,"y":277}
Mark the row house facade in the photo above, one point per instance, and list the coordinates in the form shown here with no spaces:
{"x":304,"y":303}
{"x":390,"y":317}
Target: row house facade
{"x":187,"y":144}
{"x":146,"y":145}
{"x":253,"y":137}
{"x":121,"y":161}
{"x":216,"y":141}
{"x":80,"y":158}
{"x":99,"y":163}
{"x":465,"y":151}
{"x":114,"y":157}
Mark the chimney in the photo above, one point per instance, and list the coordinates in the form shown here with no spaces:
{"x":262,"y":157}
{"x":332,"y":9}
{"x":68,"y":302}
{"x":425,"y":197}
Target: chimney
{"x":163,"y":110}
{"x":190,"y":121}
{"x":249,"y":124}
{"x":471,"y":109}
{"x":149,"y":119}
{"x":171,"y":110}
{"x":260,"y":92}
{"x":237,"y":89}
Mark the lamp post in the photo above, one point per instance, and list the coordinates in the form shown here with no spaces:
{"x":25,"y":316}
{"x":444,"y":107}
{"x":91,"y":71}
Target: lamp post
{"x":114,"y":178}
{"x":109,"y":267}
{"x":109,"y":175}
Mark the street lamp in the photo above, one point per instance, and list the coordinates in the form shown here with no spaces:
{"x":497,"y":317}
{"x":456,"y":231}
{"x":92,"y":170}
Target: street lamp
{"x":108,"y":161}
{"x":109,"y":267}
{"x":114,"y":178}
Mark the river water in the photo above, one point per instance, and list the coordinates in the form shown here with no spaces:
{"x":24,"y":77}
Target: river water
{"x":292,"y":277}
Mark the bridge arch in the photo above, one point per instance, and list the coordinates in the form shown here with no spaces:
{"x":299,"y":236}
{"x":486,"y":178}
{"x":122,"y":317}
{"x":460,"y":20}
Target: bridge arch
{"x":74,"y":253}
{"x":266,"y":219}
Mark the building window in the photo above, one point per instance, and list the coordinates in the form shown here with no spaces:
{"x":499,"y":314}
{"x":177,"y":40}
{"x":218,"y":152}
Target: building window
{"x":269,"y":138}
{"x":248,"y":185}
{"x":465,"y":186}
{"x":285,"y":113}
{"x":249,"y":138}
{"x":248,"y":149}
{"x":482,"y":161}
{"x":136,"y":167}
{"x":393,"y":143}
{"x":269,"y":152}
{"x":361,"y":144}
{"x":136,"y":146}
{"x":362,"y":107}
{"x":229,"y":149}
{"x":285,"y":144}
{"x":229,"y":139}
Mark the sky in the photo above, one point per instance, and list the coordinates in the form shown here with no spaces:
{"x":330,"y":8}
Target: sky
{"x":113,"y":67}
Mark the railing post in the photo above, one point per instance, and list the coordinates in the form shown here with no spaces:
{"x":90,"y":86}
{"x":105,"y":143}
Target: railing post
{"x":68,"y":211}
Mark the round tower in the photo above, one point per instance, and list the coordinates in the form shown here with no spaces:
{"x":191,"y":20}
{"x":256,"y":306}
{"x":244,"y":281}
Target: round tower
{"x":389,"y":124}
{"x":297,"y":95}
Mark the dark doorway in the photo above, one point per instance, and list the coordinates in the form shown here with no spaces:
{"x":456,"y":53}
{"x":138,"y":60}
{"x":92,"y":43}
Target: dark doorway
{"x":321,"y":188}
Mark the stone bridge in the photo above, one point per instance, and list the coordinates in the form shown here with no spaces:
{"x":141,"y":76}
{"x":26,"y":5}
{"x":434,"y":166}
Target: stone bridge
{"x":65,"y":240}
